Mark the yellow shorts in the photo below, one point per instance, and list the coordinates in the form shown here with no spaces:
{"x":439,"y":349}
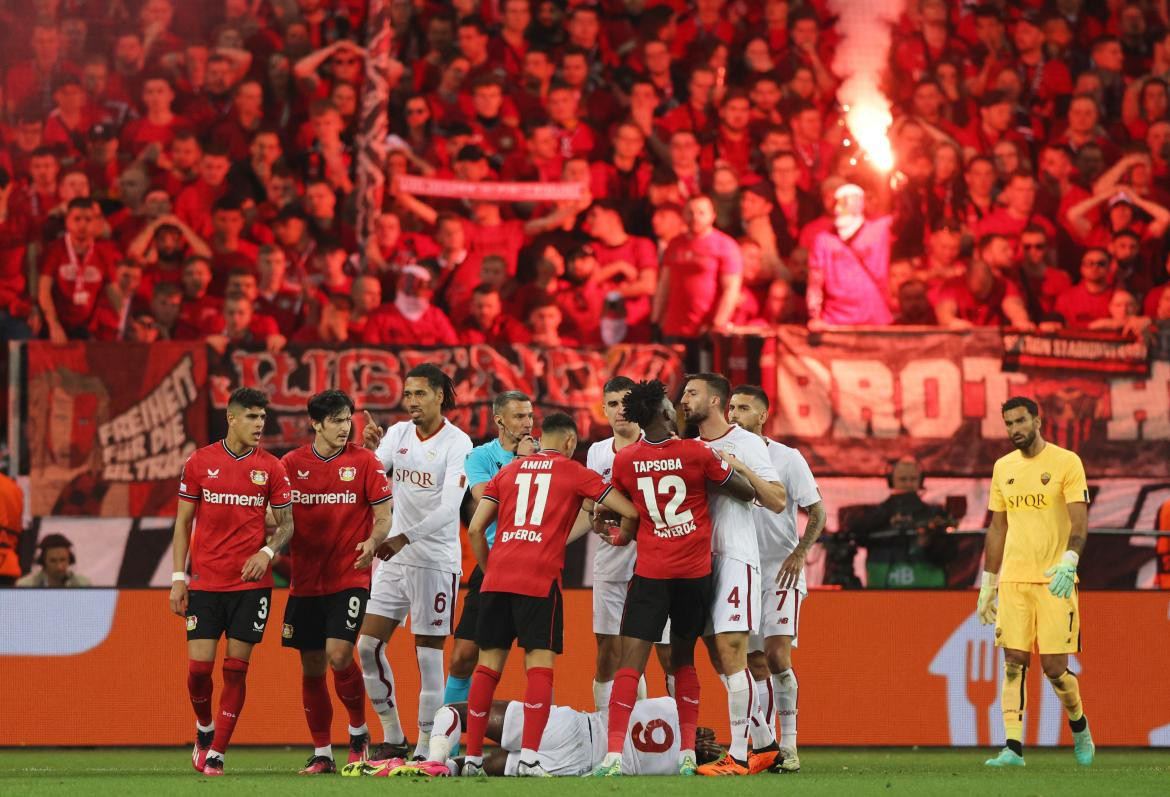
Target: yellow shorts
{"x":1029,"y":615}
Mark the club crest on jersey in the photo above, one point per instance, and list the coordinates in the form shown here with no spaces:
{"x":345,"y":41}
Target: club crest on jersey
{"x":213,"y":474}
{"x":287,"y":631}
{"x":192,"y":621}
{"x":347,"y":474}
{"x":302,"y":474}
{"x":259,"y":477}
{"x":1045,"y":478}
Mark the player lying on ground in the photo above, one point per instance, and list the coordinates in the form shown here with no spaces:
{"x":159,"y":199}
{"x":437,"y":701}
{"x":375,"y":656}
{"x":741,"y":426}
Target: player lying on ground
{"x":574,"y":742}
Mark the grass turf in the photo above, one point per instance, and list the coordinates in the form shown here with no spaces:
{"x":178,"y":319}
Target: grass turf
{"x":826,"y":771}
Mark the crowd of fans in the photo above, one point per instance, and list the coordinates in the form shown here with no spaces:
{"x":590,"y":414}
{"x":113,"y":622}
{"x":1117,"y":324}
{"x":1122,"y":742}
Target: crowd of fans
{"x":188,"y":170}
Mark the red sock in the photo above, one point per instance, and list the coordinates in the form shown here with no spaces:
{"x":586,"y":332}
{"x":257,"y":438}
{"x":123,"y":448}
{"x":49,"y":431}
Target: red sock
{"x":479,"y":705}
{"x":199,"y":686}
{"x":686,"y":690}
{"x":621,"y":704}
{"x":537,"y":698}
{"x":231,"y":702}
{"x":318,"y":708}
{"x":351,"y":690}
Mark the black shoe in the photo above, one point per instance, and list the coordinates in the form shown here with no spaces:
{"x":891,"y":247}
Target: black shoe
{"x":359,"y":745}
{"x":213,"y":765}
{"x":380,"y":752}
{"x":319,"y":765}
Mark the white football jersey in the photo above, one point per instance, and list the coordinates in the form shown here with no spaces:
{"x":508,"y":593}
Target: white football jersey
{"x":610,"y":563}
{"x":777,"y":530}
{"x":652,"y":741}
{"x":428,"y":483}
{"x":732,"y":520}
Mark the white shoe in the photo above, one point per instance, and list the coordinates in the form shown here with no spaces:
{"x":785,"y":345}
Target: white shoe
{"x":533,"y":770}
{"x":471,"y":770}
{"x":789,"y":761}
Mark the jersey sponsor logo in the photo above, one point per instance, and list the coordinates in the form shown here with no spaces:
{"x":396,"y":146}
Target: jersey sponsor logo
{"x":419,"y":478}
{"x":192,"y":621}
{"x":521,"y":535}
{"x":302,"y":474}
{"x":259,"y":477}
{"x":347,"y":474}
{"x":654,"y":465}
{"x":317,"y":499}
{"x":1045,"y":478}
{"x":232,"y":499}
{"x":213,"y":474}
{"x":1031,"y":501}
{"x":287,"y":631}
{"x":681,"y":530}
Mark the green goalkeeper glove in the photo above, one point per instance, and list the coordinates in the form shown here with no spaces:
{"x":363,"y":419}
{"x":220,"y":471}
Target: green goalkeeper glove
{"x":987,"y":593}
{"x":1064,"y":575}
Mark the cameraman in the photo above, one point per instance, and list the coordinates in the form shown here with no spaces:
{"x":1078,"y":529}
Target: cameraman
{"x":905,"y":537}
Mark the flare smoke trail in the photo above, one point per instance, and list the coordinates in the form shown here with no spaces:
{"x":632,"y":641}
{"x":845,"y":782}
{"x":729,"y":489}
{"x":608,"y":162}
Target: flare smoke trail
{"x":861,"y":58}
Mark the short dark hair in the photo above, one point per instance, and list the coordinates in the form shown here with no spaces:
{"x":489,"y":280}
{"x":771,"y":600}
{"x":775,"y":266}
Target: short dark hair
{"x":248,"y":398}
{"x":437,"y":380}
{"x":507,"y":397}
{"x":617,"y":384}
{"x":754,"y":391}
{"x":83,"y":202}
{"x":558,"y":422}
{"x":1021,"y":401}
{"x":716,"y":383}
{"x":643,"y":402}
{"x":328,"y":403}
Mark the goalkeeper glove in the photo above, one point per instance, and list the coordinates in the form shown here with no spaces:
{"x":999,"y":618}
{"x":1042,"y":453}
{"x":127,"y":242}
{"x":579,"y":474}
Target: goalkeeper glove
{"x":1064,"y":575}
{"x":987,"y":592}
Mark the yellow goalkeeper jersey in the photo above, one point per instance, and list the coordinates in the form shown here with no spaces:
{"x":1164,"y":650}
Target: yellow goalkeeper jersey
{"x":1035,"y":493}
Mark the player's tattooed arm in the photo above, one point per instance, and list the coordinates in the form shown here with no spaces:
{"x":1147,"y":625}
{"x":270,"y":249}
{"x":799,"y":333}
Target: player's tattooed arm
{"x":257,"y":564}
{"x":789,"y":574}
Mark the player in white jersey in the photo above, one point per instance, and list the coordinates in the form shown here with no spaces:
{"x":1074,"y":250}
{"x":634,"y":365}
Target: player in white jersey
{"x":424,"y":458}
{"x":735,"y":611}
{"x":782,"y":557}
{"x":613,"y":565}
{"x":574,"y":742}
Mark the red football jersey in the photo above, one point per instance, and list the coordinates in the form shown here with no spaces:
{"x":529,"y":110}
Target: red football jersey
{"x":230,"y":494}
{"x":539,"y":497}
{"x":667,"y":481}
{"x":332,"y":513}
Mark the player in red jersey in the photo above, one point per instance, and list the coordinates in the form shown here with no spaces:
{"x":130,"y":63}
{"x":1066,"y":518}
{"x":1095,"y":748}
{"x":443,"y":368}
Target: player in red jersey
{"x":535,"y":500}
{"x":223,"y":492}
{"x":341,"y":504}
{"x":668,"y":479}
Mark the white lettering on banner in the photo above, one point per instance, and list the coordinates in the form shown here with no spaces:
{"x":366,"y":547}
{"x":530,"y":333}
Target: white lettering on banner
{"x":1143,"y":405}
{"x":500,"y":191}
{"x":232,"y":499}
{"x":930,"y":391}
{"x":314,"y":499}
{"x":654,"y":465}
{"x":521,"y":535}
{"x":804,"y":394}
{"x":865,"y":399}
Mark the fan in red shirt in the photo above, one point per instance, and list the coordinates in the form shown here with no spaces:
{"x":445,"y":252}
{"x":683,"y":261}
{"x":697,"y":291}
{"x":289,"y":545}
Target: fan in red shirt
{"x":536,"y":500}
{"x":668,"y":480}
{"x":74,"y":273}
{"x":341,"y":504}
{"x":224,"y":492}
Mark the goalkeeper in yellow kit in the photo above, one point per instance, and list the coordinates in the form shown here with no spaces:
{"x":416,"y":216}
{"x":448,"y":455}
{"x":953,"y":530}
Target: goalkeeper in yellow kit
{"x":1039,"y":503}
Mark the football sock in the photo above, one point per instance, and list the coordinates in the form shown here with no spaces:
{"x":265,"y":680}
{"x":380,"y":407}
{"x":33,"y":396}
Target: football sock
{"x":351,"y":691}
{"x":670,"y":685}
{"x":379,"y":680}
{"x":199,"y":686}
{"x":766,"y":700}
{"x":1013,"y":700}
{"x":318,"y":708}
{"x":784,"y":687}
{"x":231,"y":701}
{"x":326,"y":751}
{"x":739,"y":700}
{"x":686,"y":686}
{"x":1068,"y":689}
{"x":479,"y":705}
{"x":763,"y":734}
{"x":601,"y":692}
{"x":537,"y":705}
{"x":641,"y":687}
{"x":621,"y":704}
{"x":444,"y":734}
{"x":456,"y":690}
{"x":430,"y":695}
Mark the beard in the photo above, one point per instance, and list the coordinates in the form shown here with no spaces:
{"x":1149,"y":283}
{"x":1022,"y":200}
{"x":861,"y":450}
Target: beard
{"x":1025,"y":443}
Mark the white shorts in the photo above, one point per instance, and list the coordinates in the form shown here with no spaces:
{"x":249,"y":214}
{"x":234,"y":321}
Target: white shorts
{"x":779,"y":616}
{"x":609,"y":603}
{"x":565,"y":747}
{"x":428,"y":596}
{"x":736,"y":602}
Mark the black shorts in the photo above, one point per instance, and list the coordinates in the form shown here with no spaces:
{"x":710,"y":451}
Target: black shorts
{"x":311,"y":619}
{"x":649,"y":601}
{"x":534,"y":623}
{"x":242,"y":614}
{"x":469,"y":618}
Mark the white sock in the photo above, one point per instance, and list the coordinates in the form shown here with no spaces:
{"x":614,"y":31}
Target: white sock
{"x":641,"y":688}
{"x":784,"y":684}
{"x":684,"y":753}
{"x":215,"y":754}
{"x":739,"y":703}
{"x":601,"y":693}
{"x":358,"y":731}
{"x":205,"y":728}
{"x":473,"y":759}
{"x":762,"y":730}
{"x":444,"y":734}
{"x":430,"y":695}
{"x":326,"y":751}
{"x":610,"y":758}
{"x":529,"y":756}
{"x":670,"y":685}
{"x":379,"y":680}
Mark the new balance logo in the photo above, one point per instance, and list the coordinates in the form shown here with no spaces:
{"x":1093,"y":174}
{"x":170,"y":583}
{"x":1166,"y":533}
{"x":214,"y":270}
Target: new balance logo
{"x":403,"y":450}
{"x":1011,"y":481}
{"x":436,"y":622}
{"x":213,"y":474}
{"x":534,"y":706}
{"x":734,"y":618}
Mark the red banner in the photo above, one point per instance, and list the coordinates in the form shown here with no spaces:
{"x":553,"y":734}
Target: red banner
{"x":495,"y":191}
{"x":109,"y":425}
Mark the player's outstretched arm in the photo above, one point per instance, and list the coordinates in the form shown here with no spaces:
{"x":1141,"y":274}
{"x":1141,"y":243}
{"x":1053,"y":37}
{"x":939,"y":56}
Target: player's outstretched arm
{"x":368,"y":548}
{"x":485,"y":513}
{"x":738,"y":487}
{"x":182,"y":541}
{"x":371,"y":432}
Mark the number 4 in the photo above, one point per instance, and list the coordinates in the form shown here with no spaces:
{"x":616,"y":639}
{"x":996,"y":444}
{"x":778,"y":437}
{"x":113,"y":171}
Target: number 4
{"x":733,"y":598}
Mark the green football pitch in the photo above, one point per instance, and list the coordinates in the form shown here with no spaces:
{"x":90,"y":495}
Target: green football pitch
{"x":827,"y":771}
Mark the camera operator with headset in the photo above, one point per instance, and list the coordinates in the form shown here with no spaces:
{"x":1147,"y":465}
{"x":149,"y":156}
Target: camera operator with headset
{"x":905,"y":537}
{"x":56,"y":560}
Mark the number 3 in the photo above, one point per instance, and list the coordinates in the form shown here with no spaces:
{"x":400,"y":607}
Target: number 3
{"x":263,"y":609}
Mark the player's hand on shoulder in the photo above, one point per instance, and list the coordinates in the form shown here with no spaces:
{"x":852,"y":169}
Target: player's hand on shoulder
{"x":730,"y":459}
{"x":371,"y":431}
{"x":178,"y":597}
